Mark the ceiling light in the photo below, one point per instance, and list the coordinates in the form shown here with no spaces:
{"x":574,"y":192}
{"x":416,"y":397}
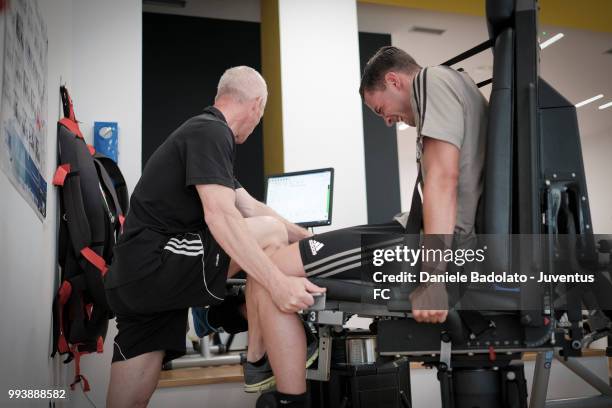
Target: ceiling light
{"x":551,"y":40}
{"x":587,"y":101}
{"x":428,"y":30}
{"x":605,"y":105}
{"x":402,"y":126}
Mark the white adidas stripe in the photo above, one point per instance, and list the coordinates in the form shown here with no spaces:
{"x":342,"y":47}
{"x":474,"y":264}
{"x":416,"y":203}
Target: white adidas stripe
{"x":340,"y":270}
{"x":181,"y":252}
{"x":196,"y":247}
{"x":188,"y":247}
{"x":185,"y":241}
{"x":334,"y":264}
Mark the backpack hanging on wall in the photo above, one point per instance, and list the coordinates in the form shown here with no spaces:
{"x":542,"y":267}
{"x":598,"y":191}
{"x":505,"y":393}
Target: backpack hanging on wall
{"x":93,"y":200}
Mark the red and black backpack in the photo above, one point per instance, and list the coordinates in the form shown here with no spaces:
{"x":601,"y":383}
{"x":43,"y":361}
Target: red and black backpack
{"x":93,"y":200}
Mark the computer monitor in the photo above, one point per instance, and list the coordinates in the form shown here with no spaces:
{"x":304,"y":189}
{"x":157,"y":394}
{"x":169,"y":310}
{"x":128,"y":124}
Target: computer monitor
{"x":302,"y":197}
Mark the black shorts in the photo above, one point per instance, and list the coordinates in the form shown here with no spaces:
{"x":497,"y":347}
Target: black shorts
{"x":339,"y":254}
{"x":152,"y":311}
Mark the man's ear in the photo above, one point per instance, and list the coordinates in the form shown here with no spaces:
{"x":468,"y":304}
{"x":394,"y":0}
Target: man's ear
{"x":256,"y":104}
{"x":392,"y":79}
{"x":256,"y":107}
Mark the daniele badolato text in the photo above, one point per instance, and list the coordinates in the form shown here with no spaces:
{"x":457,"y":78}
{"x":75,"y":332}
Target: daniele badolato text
{"x":450,"y":259}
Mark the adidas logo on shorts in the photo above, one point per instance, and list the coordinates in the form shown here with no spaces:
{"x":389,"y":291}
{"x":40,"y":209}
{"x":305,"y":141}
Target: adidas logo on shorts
{"x":315,"y":246}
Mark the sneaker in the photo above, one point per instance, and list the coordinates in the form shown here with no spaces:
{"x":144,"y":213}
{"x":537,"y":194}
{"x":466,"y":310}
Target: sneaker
{"x":261,"y":378}
{"x":258,"y":378}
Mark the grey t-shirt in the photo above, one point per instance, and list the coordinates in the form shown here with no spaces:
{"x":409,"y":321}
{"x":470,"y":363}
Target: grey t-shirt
{"x":448,"y":106}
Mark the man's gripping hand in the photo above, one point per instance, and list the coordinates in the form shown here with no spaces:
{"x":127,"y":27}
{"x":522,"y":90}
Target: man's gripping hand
{"x":430,"y":303}
{"x":294,"y":294}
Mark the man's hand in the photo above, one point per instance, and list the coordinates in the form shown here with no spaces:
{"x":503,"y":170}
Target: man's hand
{"x":294,"y":294}
{"x":430,"y":303}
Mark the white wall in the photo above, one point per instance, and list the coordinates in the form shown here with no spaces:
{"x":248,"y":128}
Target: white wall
{"x":107,"y":74}
{"x":322,"y":122}
{"x":596,"y":153}
{"x":28,"y":250}
{"x":95,"y":48}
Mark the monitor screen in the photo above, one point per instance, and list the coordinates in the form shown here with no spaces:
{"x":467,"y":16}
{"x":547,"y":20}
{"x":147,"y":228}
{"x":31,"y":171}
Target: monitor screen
{"x":303,"y":197}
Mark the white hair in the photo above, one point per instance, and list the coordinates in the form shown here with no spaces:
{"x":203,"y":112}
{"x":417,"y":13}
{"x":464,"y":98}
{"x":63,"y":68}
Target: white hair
{"x":243,"y":84}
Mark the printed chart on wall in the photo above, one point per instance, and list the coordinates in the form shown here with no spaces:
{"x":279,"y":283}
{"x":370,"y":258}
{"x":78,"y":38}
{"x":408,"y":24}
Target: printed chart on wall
{"x":23,"y":117}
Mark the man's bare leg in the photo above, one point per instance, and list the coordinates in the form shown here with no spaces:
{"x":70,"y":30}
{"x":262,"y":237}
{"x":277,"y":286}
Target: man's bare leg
{"x":133,"y":381}
{"x":283,"y":333}
{"x":271,"y":236}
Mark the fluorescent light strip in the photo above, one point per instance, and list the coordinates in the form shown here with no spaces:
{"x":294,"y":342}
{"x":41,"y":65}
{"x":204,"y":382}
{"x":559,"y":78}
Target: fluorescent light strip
{"x":551,"y":40}
{"x":587,"y":101}
{"x":605,"y":105}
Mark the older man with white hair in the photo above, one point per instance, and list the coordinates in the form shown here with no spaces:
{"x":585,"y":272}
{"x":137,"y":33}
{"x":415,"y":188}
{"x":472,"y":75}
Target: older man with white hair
{"x":192,"y":225}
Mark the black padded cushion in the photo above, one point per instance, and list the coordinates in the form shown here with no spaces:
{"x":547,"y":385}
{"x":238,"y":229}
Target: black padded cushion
{"x":497,"y":193}
{"x":496,"y":209}
{"x":500,"y":15}
{"x":345,"y":290}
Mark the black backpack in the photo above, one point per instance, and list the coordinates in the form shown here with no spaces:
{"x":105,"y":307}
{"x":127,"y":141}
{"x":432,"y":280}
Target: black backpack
{"x":93,"y":200}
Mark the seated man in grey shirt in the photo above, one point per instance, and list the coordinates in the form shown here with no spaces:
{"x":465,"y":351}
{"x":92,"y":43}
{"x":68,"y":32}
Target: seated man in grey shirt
{"x":449,"y":113}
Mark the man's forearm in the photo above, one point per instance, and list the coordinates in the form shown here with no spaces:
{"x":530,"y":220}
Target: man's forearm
{"x":439,"y":207}
{"x":439,"y":217}
{"x":231,"y":232}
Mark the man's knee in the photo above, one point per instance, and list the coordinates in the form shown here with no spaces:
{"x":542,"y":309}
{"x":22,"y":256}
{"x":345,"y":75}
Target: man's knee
{"x":278,"y":236}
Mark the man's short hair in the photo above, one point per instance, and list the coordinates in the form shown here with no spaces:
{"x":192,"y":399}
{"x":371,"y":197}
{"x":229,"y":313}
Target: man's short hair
{"x":243,"y":84}
{"x":386,"y":59}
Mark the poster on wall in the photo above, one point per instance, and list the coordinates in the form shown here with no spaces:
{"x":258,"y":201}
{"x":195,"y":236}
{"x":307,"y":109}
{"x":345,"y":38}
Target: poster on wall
{"x":23,"y":117}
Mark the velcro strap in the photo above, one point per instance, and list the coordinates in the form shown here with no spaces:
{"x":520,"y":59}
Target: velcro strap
{"x":94,"y":259}
{"x":64,"y":292}
{"x":92,"y":150}
{"x":60,"y":174}
{"x":71,"y":126}
{"x":77,"y":369}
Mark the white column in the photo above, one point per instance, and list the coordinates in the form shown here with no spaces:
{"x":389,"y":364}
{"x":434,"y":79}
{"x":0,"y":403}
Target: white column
{"x":322,"y":117}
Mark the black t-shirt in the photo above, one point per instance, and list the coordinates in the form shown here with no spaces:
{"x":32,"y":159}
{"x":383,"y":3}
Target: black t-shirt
{"x":165,"y":201}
